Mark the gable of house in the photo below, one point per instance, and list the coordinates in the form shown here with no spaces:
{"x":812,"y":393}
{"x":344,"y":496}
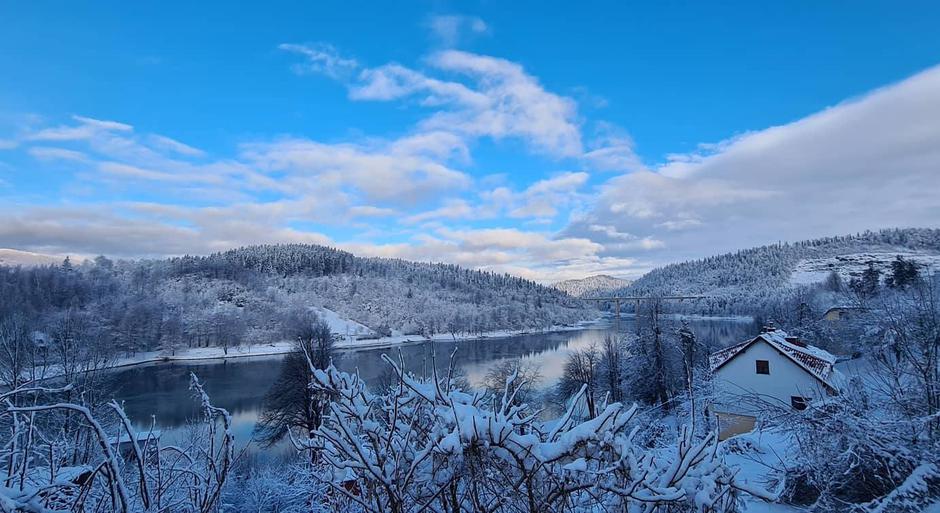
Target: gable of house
{"x":818,"y":363}
{"x":784,"y":379}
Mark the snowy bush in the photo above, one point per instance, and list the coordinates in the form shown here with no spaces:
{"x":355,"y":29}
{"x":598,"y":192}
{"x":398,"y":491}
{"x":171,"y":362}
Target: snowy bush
{"x":62,"y":456}
{"x":425,"y":445}
{"x":855,"y":455}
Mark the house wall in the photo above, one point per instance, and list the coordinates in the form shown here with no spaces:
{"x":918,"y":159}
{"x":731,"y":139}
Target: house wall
{"x":739,"y":389}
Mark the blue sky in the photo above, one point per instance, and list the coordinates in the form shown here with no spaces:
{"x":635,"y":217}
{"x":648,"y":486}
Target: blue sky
{"x":545,"y":139}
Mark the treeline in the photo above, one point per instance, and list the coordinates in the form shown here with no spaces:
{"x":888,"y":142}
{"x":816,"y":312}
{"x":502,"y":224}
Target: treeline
{"x":243,"y":296}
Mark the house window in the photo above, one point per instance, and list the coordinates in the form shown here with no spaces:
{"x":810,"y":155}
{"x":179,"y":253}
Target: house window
{"x":799,"y":403}
{"x":763,"y":367}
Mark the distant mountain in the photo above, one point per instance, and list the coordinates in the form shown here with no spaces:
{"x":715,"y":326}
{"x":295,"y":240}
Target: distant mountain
{"x":592,"y":285}
{"x":15,"y":257}
{"x":744,"y":281}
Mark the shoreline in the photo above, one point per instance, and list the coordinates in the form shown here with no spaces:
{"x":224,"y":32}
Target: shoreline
{"x":283,"y":347}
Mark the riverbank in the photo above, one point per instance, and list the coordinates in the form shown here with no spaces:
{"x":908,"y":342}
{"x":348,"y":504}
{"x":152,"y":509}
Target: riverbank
{"x":283,"y":347}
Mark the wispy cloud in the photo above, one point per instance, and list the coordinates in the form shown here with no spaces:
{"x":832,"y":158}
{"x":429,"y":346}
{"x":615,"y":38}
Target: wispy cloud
{"x":450,"y":29}
{"x":500,"y":101}
{"x":321,"y":58}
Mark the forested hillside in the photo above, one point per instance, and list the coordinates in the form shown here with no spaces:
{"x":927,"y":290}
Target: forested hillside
{"x":592,"y":285}
{"x":242,"y":295}
{"x":746,"y":281}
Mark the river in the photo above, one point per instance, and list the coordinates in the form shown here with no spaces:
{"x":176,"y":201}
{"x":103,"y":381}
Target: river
{"x":160,"y":393}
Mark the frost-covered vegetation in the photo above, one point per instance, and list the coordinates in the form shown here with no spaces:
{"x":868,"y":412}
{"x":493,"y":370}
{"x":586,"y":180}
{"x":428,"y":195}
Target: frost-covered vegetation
{"x":243,"y":295}
{"x":749,"y":281}
{"x":419,"y":445}
{"x":409,"y":444}
{"x":600,"y":284}
{"x":876,"y":445}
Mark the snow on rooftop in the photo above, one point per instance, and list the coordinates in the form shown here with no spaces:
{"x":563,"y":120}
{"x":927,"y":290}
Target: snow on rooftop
{"x":818,"y":362}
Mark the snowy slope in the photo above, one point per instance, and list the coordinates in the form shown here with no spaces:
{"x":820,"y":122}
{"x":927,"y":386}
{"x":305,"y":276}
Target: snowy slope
{"x":15,"y":257}
{"x":341,"y":326}
{"x":743,"y":281}
{"x":815,"y":270}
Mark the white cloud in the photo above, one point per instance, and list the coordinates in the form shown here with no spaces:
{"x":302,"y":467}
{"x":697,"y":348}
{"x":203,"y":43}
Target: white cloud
{"x":544,"y":198}
{"x":87,"y":128}
{"x":612,"y":149}
{"x":449,"y":29}
{"x":321,"y":58}
{"x":371,"y":211}
{"x":454,"y":208}
{"x":174,"y":146}
{"x":380,"y":175}
{"x":501,"y":101}
{"x":50,"y":153}
{"x":868,"y":163}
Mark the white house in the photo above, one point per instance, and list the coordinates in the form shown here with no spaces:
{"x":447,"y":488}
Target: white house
{"x":771,"y":371}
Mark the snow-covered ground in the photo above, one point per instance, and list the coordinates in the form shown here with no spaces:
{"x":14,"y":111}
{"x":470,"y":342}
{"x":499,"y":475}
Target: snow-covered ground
{"x":346,"y":329}
{"x":759,"y":455}
{"x":815,"y":270}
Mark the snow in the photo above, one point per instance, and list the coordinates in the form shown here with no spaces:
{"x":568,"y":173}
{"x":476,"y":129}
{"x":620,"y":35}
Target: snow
{"x":347,"y":329}
{"x":349,"y":343}
{"x":815,"y":270}
{"x":755,"y":455}
{"x":15,"y":257}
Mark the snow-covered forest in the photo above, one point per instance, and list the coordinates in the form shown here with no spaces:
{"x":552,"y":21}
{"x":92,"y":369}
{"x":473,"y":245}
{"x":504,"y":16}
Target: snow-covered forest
{"x":634,"y":432}
{"x":592,"y":285}
{"x":241,"y":297}
{"x":632,"y":436}
{"x":747,"y":281}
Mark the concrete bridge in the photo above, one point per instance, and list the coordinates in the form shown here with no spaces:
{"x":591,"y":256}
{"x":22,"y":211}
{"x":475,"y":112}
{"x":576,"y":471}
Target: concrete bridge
{"x":617,"y":299}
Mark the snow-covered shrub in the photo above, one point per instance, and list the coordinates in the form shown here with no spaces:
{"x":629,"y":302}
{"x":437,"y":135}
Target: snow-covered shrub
{"x":98,"y":462}
{"x":425,"y":445}
{"x":277,"y":488}
{"x":851,"y":452}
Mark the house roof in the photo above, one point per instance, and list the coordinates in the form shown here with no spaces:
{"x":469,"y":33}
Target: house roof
{"x":817,"y":362}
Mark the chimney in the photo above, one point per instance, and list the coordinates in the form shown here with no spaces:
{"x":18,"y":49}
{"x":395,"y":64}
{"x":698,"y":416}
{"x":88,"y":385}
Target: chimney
{"x":796,"y":341}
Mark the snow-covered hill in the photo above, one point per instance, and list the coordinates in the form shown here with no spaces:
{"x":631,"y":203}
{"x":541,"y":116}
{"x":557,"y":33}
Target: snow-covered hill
{"x":744,"y":282}
{"x":592,"y":285}
{"x":849,"y":266}
{"x":15,"y":257}
{"x":243,"y":295}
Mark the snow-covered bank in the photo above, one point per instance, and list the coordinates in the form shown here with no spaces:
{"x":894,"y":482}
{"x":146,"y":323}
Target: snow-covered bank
{"x":347,"y":344}
{"x":690,"y":317}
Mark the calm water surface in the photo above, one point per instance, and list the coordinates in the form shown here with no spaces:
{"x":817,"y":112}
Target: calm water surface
{"x":160,"y":392}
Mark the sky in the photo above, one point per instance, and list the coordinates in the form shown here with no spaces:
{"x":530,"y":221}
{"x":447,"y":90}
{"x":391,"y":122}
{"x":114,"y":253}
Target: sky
{"x":546,"y":139}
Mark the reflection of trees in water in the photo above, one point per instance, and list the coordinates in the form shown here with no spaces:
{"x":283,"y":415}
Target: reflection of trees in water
{"x":239,"y":385}
{"x":163,"y":391}
{"x":418,"y":357}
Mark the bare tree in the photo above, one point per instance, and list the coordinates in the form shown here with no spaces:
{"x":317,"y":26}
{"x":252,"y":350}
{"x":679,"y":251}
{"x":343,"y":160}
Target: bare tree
{"x":907,"y":353}
{"x":524,"y":375}
{"x":581,"y":372}
{"x":290,"y":403}
{"x":611,"y":363}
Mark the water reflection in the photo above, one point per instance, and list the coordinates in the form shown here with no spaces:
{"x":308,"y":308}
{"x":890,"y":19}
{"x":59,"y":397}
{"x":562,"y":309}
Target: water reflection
{"x":161,"y":391}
